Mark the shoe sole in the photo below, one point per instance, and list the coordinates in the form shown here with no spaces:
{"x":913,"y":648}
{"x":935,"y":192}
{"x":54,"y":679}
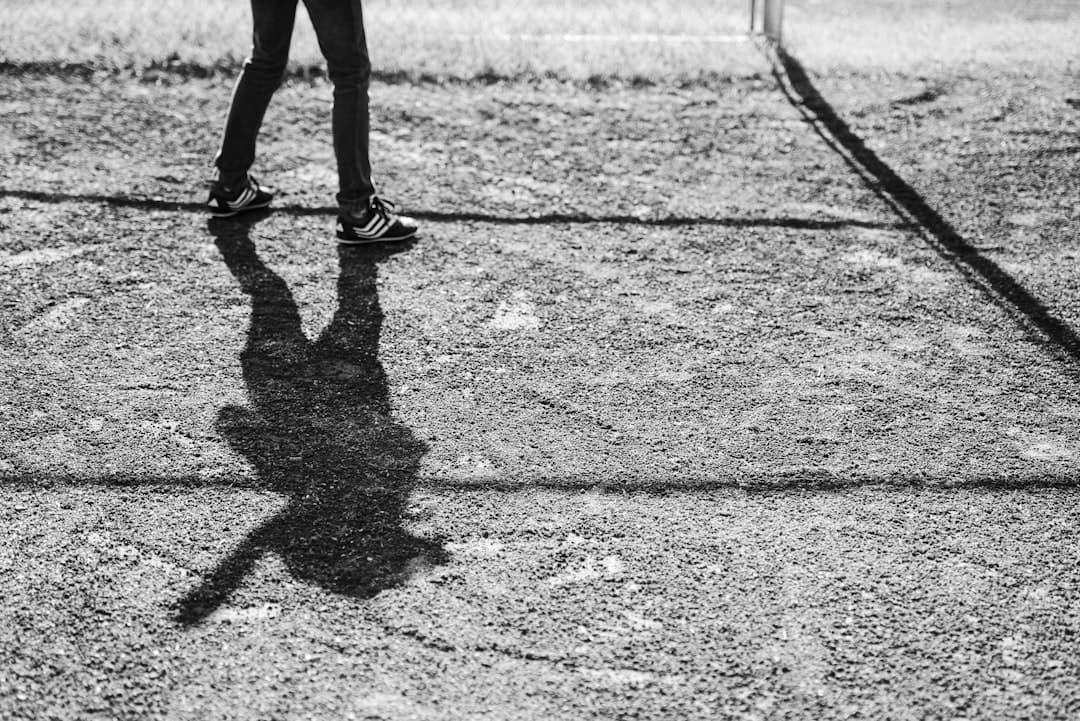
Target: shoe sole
{"x":238,"y":211}
{"x":346,"y":240}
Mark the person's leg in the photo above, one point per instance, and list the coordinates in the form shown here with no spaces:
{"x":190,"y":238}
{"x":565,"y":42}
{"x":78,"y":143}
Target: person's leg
{"x":273,"y":22}
{"x":339,"y":26}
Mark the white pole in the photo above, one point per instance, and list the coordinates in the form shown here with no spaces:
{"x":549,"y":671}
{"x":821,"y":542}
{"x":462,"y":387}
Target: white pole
{"x":774,"y":19}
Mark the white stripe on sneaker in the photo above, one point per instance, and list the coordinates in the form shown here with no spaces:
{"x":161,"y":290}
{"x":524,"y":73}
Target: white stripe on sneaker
{"x":375,"y":228}
{"x":245,"y":197}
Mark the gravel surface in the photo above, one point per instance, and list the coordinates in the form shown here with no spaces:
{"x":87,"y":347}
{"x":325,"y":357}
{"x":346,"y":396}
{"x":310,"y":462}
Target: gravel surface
{"x":668,"y":413}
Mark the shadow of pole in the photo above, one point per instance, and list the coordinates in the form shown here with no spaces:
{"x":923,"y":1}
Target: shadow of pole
{"x":906,"y":202}
{"x":319,"y":431}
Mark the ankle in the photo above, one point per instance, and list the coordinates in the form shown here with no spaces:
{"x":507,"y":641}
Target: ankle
{"x":356,"y":207}
{"x":231,"y":181}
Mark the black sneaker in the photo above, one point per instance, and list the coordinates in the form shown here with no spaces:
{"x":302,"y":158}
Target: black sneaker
{"x":378,"y":225}
{"x":226,"y":202}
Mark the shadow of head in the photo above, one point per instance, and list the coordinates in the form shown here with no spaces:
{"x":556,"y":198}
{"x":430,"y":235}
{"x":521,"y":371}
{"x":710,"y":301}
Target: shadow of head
{"x":318,"y":429}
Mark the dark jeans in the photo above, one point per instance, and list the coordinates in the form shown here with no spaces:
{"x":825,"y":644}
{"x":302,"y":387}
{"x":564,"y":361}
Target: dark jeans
{"x":339,"y":26}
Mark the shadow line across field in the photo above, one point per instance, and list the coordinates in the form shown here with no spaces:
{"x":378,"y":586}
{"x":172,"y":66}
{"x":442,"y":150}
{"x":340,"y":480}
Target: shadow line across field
{"x":437,"y":216}
{"x":906,"y":202}
{"x":600,"y":481}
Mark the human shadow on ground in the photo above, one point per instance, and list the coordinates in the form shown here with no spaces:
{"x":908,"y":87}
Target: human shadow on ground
{"x":319,"y":431}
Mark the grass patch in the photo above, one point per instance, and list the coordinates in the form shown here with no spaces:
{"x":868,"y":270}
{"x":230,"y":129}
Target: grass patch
{"x":474,"y":39}
{"x":925,"y":37}
{"x":657,"y":40}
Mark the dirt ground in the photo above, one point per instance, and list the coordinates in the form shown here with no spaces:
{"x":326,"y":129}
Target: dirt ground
{"x":753,"y":400}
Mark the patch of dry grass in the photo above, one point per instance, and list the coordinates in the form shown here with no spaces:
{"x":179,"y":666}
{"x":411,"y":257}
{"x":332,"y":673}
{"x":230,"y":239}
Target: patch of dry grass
{"x":630,"y":38}
{"x":441,"y":38}
{"x":929,"y":40}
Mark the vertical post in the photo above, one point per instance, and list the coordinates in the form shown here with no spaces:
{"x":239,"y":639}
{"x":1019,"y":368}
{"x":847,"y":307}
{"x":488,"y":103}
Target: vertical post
{"x":774,"y":19}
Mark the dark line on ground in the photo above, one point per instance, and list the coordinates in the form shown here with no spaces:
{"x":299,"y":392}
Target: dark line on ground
{"x":810,"y":481}
{"x":438,"y":216}
{"x":910,"y":206}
